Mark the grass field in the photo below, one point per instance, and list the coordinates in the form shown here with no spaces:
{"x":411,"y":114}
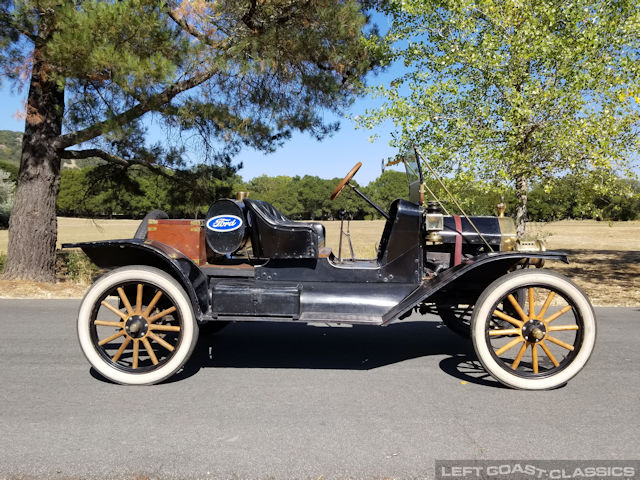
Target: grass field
{"x":605,"y":257}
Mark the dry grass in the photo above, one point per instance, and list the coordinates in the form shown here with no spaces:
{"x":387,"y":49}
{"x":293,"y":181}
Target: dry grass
{"x":20,"y":289}
{"x":605,"y":257}
{"x":85,"y":230}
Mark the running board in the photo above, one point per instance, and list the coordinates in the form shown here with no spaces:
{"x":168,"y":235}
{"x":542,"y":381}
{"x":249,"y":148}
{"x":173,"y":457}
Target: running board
{"x":347,"y":318}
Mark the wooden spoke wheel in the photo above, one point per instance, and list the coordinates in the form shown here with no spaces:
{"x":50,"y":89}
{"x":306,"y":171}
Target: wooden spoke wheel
{"x":539,"y":342}
{"x":136,"y":325}
{"x":457,"y":316}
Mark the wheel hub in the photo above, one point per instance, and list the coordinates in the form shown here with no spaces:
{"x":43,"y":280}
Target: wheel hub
{"x":136,"y":326}
{"x":534,"y":331}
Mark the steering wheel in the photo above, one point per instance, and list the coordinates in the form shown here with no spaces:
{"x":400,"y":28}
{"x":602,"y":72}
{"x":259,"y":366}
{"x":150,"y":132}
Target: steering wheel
{"x":345,"y":180}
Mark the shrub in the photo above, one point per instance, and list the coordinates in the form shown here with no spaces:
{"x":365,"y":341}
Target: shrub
{"x":6,"y":198}
{"x":76,"y":266}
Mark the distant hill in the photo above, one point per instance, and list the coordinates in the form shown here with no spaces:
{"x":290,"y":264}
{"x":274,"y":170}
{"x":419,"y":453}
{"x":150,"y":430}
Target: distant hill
{"x":11,"y":147}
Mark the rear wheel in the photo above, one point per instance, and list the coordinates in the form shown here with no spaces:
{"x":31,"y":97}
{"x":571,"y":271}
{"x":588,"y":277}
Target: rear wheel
{"x":457,"y":316}
{"x":546,"y":342}
{"x":136,"y":326}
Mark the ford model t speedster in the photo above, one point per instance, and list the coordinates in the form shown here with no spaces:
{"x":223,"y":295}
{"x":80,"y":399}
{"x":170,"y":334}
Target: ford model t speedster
{"x":138,"y":324}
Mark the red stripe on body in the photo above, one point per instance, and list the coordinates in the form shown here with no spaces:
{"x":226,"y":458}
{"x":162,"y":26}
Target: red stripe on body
{"x":457,"y":253}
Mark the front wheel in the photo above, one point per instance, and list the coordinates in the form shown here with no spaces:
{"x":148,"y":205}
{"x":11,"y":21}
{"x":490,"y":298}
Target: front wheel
{"x":136,"y":326}
{"x":546,"y":342}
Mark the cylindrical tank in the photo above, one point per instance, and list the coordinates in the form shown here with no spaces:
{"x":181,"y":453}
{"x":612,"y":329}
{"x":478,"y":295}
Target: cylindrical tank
{"x":226,"y":226}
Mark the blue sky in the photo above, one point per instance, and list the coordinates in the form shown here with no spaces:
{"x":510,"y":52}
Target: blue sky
{"x":302,"y":155}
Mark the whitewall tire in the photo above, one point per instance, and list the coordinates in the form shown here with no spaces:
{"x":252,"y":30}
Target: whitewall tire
{"x":136,"y":325}
{"x":539,"y":342}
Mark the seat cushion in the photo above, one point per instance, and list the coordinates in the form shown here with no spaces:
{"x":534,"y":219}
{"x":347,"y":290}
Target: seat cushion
{"x":273,"y":235}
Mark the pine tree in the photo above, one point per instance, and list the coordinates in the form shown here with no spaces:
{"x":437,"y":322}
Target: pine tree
{"x":217,"y":75}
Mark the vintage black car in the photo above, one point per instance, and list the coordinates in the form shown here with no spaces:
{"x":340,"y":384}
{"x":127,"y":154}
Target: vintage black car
{"x":139,"y":323}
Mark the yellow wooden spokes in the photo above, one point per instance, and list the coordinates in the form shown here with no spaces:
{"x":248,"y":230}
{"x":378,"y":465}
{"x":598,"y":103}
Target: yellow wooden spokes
{"x":161,"y":341}
{"x":551,"y":318}
{"x":547,"y":302}
{"x":508,"y":331}
{"x":549,"y":354}
{"x":532,"y":305}
{"x":559,"y":342}
{"x":124,"y":345}
{"x":139,"y":299}
{"x":125,"y":300}
{"x":129,"y":342}
{"x":509,"y":345}
{"x":508,"y":318}
{"x":152,"y":304}
{"x":526,"y":317}
{"x":534,"y":357}
{"x":560,"y":328}
{"x":516,"y":362}
{"x":111,"y":338}
{"x":163,"y":313}
{"x":136,"y":354}
{"x":107,"y":305}
{"x":165,"y":328}
{"x":150,"y":351}
{"x":518,"y":308}
{"x":104,"y":323}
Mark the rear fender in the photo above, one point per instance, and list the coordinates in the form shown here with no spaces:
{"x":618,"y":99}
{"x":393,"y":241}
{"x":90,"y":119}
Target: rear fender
{"x":119,"y":253}
{"x":468,"y":278}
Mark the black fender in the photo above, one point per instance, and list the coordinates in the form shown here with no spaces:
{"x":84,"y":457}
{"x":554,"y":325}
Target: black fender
{"x":120,"y":253}
{"x":480,"y":271}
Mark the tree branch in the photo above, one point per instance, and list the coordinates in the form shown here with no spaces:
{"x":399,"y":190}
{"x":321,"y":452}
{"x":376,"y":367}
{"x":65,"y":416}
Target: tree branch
{"x":190,"y":29}
{"x":152,"y":103}
{"x":248,"y":20}
{"x":94,"y":153}
{"x":109,"y":157}
{"x":8,"y":20}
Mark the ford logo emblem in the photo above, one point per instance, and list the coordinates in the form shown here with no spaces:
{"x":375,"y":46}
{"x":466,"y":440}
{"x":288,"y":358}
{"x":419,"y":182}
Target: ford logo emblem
{"x":224,"y":223}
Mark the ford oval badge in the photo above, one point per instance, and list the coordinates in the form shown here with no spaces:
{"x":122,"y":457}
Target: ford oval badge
{"x":224,"y":223}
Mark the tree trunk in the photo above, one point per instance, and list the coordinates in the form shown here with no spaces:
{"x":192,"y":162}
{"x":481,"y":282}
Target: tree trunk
{"x":33,"y":223}
{"x":521,"y":210}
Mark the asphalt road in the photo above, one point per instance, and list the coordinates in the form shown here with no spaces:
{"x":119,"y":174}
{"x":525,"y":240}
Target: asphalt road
{"x":290,"y":401}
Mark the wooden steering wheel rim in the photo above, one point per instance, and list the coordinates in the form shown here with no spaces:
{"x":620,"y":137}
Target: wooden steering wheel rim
{"x":345,"y":180}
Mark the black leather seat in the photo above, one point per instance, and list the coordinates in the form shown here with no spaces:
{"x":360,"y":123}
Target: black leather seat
{"x":273,"y":235}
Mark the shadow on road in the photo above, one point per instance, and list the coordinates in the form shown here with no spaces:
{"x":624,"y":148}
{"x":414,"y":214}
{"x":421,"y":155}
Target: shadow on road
{"x":284,"y":345}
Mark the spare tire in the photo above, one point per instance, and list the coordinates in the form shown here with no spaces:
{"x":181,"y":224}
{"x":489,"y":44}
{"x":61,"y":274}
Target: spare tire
{"x":141,"y":232}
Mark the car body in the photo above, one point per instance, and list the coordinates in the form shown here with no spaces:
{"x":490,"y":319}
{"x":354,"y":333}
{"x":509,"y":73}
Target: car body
{"x":248,"y":262}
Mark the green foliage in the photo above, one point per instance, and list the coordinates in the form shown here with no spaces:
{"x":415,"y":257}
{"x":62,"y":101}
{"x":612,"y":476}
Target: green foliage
{"x":224,"y":73}
{"x":79,"y":268}
{"x":104,"y":191}
{"x":6,"y":198}
{"x":74,"y":265}
{"x":3,"y":260}
{"x":10,"y":147}
{"x":573,"y":196}
{"x":306,"y":198}
{"x":95,"y":192}
{"x":391,"y":184}
{"x":508,"y":90}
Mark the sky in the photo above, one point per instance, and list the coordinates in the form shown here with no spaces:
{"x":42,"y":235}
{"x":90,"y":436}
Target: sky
{"x":301,"y":155}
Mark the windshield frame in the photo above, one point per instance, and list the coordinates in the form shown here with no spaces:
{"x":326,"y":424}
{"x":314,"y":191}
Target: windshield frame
{"x":414,"y":175}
